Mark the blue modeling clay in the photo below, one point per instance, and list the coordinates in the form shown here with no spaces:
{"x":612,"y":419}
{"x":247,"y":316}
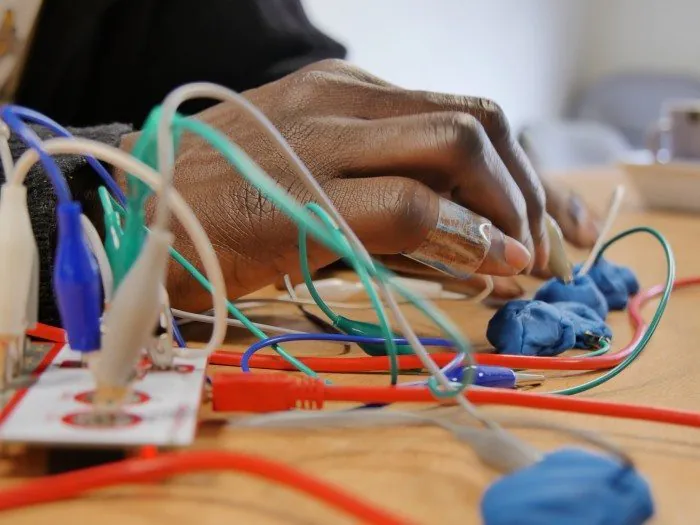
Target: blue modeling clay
{"x":530,"y":328}
{"x":581,"y":290}
{"x":537,"y":328}
{"x":583,"y":319}
{"x":569,"y":487}
{"x":616,"y":283}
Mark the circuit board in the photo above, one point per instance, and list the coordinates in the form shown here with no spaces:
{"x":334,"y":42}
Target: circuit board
{"x":55,"y":408}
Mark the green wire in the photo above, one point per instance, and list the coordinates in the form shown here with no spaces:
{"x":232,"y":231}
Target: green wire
{"x":202,"y":280}
{"x":113,"y":226}
{"x":670,"y":276}
{"x":604,"y":349}
{"x":306,"y":274}
{"x":362,"y":273}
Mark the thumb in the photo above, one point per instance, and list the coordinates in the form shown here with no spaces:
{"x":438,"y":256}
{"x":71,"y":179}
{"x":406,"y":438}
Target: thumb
{"x":393,"y":215}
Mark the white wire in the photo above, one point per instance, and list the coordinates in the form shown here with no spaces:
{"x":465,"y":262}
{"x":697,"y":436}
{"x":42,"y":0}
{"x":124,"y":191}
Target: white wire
{"x":98,"y":250}
{"x":5,"y":152}
{"x":488,"y":289}
{"x":259,"y":302}
{"x":613,"y":210}
{"x":166,"y":164}
{"x":178,"y":205}
{"x":204,"y":318}
{"x":303,"y":419}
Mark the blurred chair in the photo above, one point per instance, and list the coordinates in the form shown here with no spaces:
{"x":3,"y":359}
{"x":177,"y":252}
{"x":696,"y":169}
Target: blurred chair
{"x":632,"y":102}
{"x":567,"y":145}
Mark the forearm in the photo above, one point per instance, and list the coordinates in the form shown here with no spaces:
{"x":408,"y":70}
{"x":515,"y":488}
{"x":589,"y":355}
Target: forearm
{"x":83,"y":182}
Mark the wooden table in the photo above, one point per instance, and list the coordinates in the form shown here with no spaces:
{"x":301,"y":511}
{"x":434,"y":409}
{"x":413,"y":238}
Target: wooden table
{"x":420,"y":471}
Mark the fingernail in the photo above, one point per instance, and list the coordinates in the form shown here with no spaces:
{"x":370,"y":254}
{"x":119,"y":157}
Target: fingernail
{"x":586,"y":227}
{"x":515,"y":254}
{"x":588,"y":233}
{"x":577,"y":209}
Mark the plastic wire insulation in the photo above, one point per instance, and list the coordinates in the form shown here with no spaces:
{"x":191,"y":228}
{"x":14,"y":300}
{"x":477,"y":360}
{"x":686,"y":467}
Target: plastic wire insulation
{"x":410,"y":362}
{"x":442,"y":418}
{"x":182,"y":210}
{"x":649,"y":332}
{"x":98,"y":250}
{"x":151,"y":469}
{"x":498,"y":396}
{"x":361,"y":272}
{"x":613,"y":210}
{"x":202,"y":318}
{"x":8,"y":164}
{"x":336,"y":338}
{"x":261,"y":393}
{"x":32,"y":141}
{"x":232,"y":309}
{"x":35,"y":117}
{"x":112,"y":236}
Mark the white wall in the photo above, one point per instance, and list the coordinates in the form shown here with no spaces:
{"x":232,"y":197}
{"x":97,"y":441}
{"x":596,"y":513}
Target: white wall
{"x":641,"y":35}
{"x":522,"y":53}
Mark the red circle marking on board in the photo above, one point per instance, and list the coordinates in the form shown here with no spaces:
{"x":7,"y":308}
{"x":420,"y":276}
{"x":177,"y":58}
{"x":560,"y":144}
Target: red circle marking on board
{"x":135,"y":398}
{"x":180,"y":369}
{"x":82,"y":420}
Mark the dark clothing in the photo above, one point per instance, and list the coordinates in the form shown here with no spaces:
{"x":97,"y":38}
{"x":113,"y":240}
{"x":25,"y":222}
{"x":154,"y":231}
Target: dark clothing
{"x":98,"y":61}
{"x":94,"y":62}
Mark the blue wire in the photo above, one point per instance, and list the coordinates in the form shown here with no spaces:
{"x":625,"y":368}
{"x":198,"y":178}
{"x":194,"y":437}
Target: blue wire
{"x":35,"y":117}
{"x":344,"y":338}
{"x":17,"y":114}
{"x":32,"y":141}
{"x":177,"y":334}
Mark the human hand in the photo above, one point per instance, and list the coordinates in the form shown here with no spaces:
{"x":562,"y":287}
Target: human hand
{"x":383,"y":155}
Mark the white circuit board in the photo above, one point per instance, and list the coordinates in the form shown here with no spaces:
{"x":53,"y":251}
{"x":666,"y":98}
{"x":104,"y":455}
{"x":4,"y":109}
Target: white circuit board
{"x":53,"y":409}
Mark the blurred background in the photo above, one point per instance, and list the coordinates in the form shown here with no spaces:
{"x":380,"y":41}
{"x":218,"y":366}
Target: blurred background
{"x":582,"y":81}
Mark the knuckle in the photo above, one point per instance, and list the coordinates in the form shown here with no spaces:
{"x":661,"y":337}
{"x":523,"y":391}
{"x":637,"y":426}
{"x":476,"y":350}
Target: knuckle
{"x":331,"y":64}
{"x":463,"y":137}
{"x":407,"y":203}
{"x":313,"y":78}
{"x":493,"y":118}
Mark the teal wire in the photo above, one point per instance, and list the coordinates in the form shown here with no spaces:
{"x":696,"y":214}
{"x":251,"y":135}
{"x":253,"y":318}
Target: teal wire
{"x":668,"y":286}
{"x":600,"y":351}
{"x":365,"y":279}
{"x":202,"y":280}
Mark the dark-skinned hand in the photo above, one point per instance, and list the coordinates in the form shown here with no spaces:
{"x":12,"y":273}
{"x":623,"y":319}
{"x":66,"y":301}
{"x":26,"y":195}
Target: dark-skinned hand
{"x":383,"y":154}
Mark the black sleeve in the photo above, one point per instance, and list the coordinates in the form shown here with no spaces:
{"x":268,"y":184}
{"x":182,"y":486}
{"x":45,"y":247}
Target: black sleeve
{"x":97,"y":61}
{"x":83,"y":182}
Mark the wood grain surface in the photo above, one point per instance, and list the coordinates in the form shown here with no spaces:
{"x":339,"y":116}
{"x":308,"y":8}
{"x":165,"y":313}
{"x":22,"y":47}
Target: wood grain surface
{"x":423,"y":472}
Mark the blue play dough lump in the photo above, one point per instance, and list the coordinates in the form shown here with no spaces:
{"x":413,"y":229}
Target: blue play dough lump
{"x":615,"y":282}
{"x":583,"y":319}
{"x":537,"y":328}
{"x":569,"y":487}
{"x":581,"y":290}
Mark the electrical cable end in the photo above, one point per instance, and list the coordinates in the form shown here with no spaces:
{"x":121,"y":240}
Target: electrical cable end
{"x":522,"y":379}
{"x":265,"y":392}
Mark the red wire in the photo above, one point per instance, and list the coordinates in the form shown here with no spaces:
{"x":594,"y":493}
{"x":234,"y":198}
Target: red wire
{"x":73,"y":484}
{"x":409,"y":362}
{"x":498,"y":396}
{"x":47,"y":333}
